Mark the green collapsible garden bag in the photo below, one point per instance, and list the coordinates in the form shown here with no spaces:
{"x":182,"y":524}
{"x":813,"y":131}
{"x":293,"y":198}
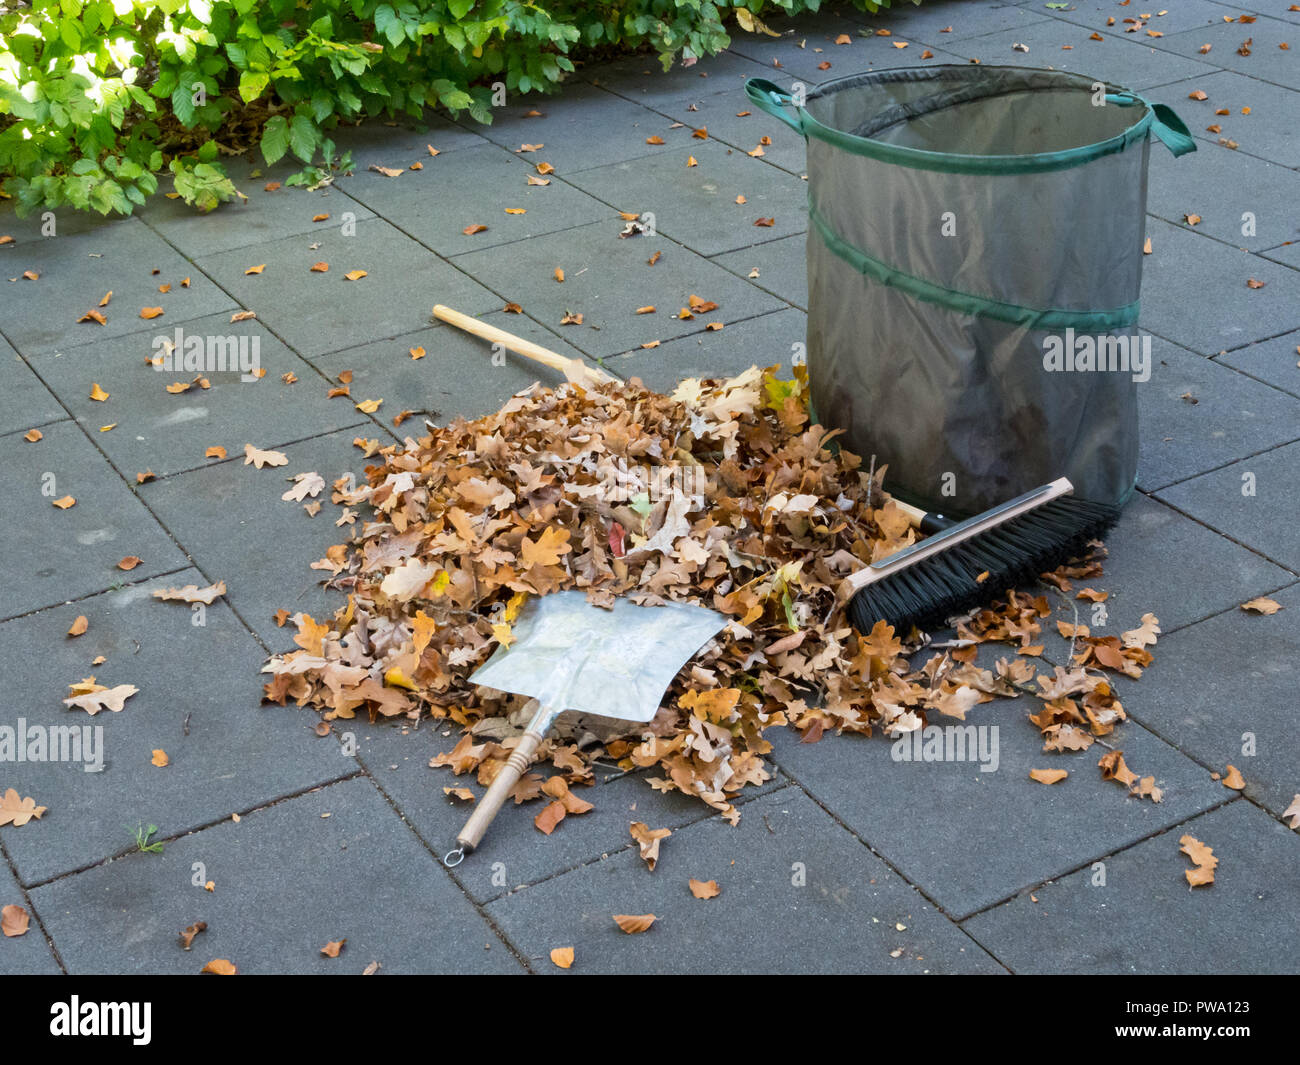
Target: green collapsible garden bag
{"x":975,"y":248}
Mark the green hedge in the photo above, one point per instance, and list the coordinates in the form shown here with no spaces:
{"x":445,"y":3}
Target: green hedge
{"x":96,"y":98}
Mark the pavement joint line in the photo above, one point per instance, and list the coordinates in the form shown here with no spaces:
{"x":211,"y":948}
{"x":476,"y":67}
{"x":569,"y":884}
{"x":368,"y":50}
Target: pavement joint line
{"x":128,"y":851}
{"x":1231,"y":539}
{"x":239,"y":457}
{"x":98,"y":592}
{"x":1230,"y":462}
{"x":1227,"y":351}
{"x":1234,"y":797}
{"x":939,"y":909}
{"x":32,"y":911}
{"x":612,"y":360}
{"x":518,"y":954}
{"x":38,"y":425}
{"x":1180,"y":224}
{"x":583,"y":863}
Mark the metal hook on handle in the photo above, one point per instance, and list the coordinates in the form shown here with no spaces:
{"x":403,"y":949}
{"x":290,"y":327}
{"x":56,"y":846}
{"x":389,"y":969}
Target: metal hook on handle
{"x":453,"y":858}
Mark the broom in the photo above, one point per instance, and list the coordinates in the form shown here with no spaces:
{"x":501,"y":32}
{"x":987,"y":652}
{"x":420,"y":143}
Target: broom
{"x":971,"y":561}
{"x":959,"y":566}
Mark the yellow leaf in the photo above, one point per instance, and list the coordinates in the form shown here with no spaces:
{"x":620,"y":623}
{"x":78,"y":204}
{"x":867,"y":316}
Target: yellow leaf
{"x":97,"y":393}
{"x":562,"y":956}
{"x":369,"y":406}
{"x":355,"y":275}
{"x":1048,"y":776}
{"x":160,"y":758}
{"x":221,"y":967}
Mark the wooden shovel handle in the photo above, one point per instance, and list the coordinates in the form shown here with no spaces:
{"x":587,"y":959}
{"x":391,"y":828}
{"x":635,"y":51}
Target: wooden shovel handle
{"x":518,"y":762}
{"x":573,"y":369}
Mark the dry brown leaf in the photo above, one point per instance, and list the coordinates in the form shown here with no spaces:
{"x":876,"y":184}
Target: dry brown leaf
{"x":705,"y":889}
{"x":333,"y":947}
{"x":130,"y":562}
{"x":1233,"y":779}
{"x":191,"y":593}
{"x":17,"y":811}
{"x":221,"y":967}
{"x":355,"y":275}
{"x":187,"y":937}
{"x":97,"y":393}
{"x":1202,"y":858}
{"x":160,"y":758}
{"x":14,"y":921}
{"x":1048,"y":776}
{"x":33,"y":435}
{"x":648,"y":839}
{"x":260,"y":459}
{"x":93,"y":702}
{"x":562,"y":957}
{"x":79,"y":626}
{"x":1262,"y":605}
{"x":634,"y":924}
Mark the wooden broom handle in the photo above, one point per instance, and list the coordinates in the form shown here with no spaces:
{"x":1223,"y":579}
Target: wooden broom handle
{"x":571,"y":368}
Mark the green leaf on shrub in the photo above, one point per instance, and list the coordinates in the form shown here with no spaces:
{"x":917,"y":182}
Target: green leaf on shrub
{"x":275,"y":139}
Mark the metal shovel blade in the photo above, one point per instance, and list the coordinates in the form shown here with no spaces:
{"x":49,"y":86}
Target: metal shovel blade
{"x":616,"y":663}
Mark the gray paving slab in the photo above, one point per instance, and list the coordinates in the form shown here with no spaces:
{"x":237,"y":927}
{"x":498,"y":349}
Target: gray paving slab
{"x":456,"y":376}
{"x":1184,"y":16}
{"x":1065,"y":46}
{"x":1147,"y":570}
{"x":46,"y":224}
{"x":966,"y":20}
{"x":584,"y":126}
{"x":401,"y":141}
{"x":28,"y":954}
{"x":1262,"y":520}
{"x":961,"y":857}
{"x":167,"y":433}
{"x":477,"y":186}
{"x":1265,"y":60}
{"x":59,"y":554}
{"x":732,"y":119}
{"x":198,"y":700}
{"x":808,"y":43}
{"x":696,"y":205}
{"x":1147,"y":919}
{"x":828,"y":905}
{"x":782,"y":267}
{"x":315,"y":313}
{"x":232,"y":521}
{"x":1195,"y":292}
{"x":77,"y":270}
{"x":126,"y":917}
{"x":266,"y":214}
{"x":515,"y":852}
{"x":607,"y":279}
{"x":1288,"y":254}
{"x":1240,"y":199}
{"x":1196,"y":415}
{"x":769,"y":340}
{"x":1269,"y":131}
{"x":1276,"y":361}
{"x":643,"y":79}
{"x":24,"y":402}
{"x":1224,"y":697}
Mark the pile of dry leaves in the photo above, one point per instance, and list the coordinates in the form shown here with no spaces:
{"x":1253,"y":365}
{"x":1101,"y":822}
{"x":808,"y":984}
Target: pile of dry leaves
{"x":723,"y":494}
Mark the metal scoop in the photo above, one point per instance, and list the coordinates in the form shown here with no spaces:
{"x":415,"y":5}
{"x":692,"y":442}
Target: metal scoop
{"x":570,"y":655}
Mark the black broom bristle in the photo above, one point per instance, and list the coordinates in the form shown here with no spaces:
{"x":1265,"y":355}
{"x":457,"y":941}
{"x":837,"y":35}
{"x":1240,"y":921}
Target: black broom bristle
{"x":928,"y":592}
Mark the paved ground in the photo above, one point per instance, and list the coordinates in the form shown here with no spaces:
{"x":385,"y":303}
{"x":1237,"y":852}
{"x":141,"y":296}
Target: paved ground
{"x":847,"y":861}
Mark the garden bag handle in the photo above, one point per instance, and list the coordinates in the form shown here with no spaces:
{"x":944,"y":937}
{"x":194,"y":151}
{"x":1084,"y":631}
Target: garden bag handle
{"x":773,"y":100}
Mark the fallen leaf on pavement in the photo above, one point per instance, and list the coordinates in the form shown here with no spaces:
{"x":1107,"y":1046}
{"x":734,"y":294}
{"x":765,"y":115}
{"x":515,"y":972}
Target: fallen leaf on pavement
{"x":562,"y":957}
{"x":634,"y":924}
{"x":648,"y":839}
{"x":187,"y":937}
{"x":113,"y":699}
{"x":14,"y":921}
{"x":79,"y":626}
{"x":259,"y":458}
{"x":1048,"y":776}
{"x":1202,"y":857}
{"x":705,"y":889}
{"x":18,"y":811}
{"x":160,"y":758}
{"x":333,"y":947}
{"x":220,"y":967}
